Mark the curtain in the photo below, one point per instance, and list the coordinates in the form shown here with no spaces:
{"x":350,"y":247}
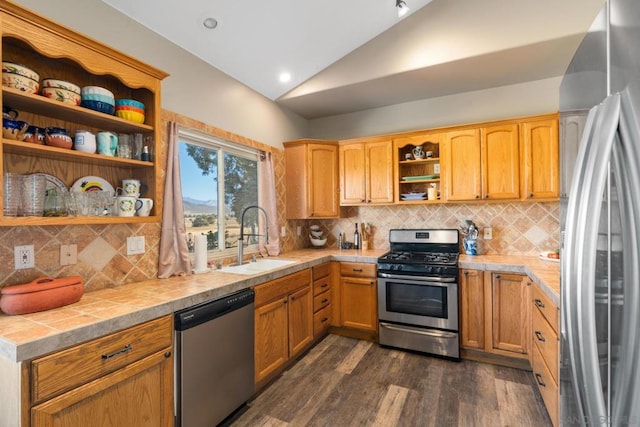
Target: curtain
{"x":267,"y":200}
{"x":174,"y":254}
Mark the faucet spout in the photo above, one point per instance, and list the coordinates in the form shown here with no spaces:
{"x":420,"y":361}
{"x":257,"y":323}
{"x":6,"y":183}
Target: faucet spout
{"x":242,"y":235}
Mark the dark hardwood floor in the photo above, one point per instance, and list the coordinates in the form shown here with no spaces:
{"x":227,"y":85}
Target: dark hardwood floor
{"x":347,"y":382}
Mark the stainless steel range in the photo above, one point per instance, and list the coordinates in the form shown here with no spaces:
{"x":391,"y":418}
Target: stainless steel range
{"x":418,"y":292}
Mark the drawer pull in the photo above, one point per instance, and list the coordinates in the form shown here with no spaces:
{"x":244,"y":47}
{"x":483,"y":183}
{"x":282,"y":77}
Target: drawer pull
{"x":324,"y":300}
{"x":538,"y":303}
{"x":540,"y":381}
{"x":127,"y":348}
{"x":324,"y":285}
{"x":357,"y":270}
{"x":324,"y":319}
{"x":539,"y":336}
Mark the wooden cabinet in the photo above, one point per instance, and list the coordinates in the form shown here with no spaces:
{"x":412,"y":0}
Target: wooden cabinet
{"x":545,"y":347}
{"x":510,"y":310}
{"x":417,"y":175}
{"x":366,"y":172}
{"x":124,"y":378}
{"x":311,"y":169}
{"x":462,"y":162}
{"x":510,"y":160}
{"x":541,"y":165}
{"x":471,"y":309}
{"x":322,"y":298}
{"x":500,"y":161}
{"x":358,"y":296}
{"x":58,"y":52}
{"x":283,"y":321}
{"x":495,"y":313}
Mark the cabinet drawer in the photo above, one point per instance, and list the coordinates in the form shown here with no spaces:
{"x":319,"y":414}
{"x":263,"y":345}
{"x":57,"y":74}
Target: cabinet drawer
{"x":321,"y":320}
{"x":321,"y":270}
{"x":82,"y":363}
{"x":321,"y":301}
{"x":548,"y":309}
{"x":281,"y":287}
{"x":356,"y":269}
{"x":546,"y":340}
{"x":546,"y":384}
{"x":321,"y":285}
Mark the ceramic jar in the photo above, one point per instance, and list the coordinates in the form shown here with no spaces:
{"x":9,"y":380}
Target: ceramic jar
{"x":58,"y":137}
{"x":84,"y":141}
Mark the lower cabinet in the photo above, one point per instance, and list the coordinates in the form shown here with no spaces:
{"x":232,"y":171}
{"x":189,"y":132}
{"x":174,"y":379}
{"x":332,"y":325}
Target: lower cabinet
{"x":495,"y":313}
{"x":125,"y":378}
{"x":283,"y":321}
{"x":358,"y":296}
{"x":545,"y":359}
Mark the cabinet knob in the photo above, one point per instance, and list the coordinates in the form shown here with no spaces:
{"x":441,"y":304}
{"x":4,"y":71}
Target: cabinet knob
{"x":311,"y":214}
{"x":486,"y":196}
{"x":167,"y":354}
{"x":497,"y":276}
{"x":466,"y":273}
{"x":362,"y":200}
{"x":530,"y":195}
{"x":369,"y":201}
{"x":477,"y":196}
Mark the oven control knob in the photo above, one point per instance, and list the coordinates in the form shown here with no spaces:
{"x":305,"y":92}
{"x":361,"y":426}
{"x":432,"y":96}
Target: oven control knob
{"x":398,"y":267}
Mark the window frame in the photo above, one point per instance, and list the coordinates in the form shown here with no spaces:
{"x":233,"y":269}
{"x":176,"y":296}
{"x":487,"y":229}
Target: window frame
{"x":202,"y":139}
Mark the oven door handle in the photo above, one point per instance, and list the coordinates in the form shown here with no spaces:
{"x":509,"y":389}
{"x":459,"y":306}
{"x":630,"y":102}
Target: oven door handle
{"x":431,"y":333}
{"x":418,"y":278}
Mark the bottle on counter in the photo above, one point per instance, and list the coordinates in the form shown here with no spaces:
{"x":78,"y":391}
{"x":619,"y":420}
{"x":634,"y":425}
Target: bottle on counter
{"x":356,"y":238}
{"x":339,"y":240}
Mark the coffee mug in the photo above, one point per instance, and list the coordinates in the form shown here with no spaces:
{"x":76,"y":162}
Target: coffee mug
{"x":144,"y":207}
{"x":84,"y":141}
{"x":126,"y":205}
{"x":107,"y":143}
{"x":133,"y":187}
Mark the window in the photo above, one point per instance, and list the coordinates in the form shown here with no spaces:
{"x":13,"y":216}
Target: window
{"x":219,"y":180}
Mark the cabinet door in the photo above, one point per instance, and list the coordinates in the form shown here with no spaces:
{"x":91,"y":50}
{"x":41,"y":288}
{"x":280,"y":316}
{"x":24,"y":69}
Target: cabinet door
{"x":359,"y":304}
{"x":271,"y":337}
{"x":463,"y":160}
{"x":541,"y":163}
{"x":323,"y":181}
{"x":140,"y":394}
{"x":352,"y":174}
{"x":379,"y":181}
{"x":300,"y":320}
{"x":510,"y":314}
{"x":500,"y":162}
{"x":472,"y":309}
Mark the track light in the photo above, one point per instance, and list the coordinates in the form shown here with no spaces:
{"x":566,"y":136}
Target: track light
{"x":402,"y":8}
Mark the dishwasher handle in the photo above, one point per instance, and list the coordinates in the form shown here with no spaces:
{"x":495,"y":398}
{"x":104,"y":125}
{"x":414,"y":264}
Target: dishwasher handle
{"x":209,"y":310}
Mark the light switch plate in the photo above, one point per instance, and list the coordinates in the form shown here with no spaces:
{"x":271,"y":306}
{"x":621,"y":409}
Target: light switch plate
{"x":283,"y":231}
{"x":68,"y":254}
{"x":135,"y":245}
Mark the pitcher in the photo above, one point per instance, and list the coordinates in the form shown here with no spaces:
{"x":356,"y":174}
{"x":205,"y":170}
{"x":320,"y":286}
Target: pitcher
{"x":107,"y":143}
{"x":418,"y":153}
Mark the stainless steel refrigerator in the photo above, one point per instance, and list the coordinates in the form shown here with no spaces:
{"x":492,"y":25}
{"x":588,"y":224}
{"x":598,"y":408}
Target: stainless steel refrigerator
{"x":600,"y":221}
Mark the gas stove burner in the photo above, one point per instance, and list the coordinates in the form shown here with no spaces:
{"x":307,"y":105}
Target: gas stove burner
{"x":420,"y":257}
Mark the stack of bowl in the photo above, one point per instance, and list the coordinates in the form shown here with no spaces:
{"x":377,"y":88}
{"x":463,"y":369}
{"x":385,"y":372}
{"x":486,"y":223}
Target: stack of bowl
{"x":97,"y":98}
{"x":19,"y":77}
{"x":316,"y":237}
{"x":130,"y":109}
{"x":61,"y":90}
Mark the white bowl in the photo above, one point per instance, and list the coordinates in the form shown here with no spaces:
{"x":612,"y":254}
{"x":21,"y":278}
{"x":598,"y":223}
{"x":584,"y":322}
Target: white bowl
{"x":97,"y":90}
{"x":314,"y":227}
{"x":19,"y":69}
{"x":317,"y":242}
{"x":61,"y":95}
{"x":316,"y":234}
{"x":20,"y":82}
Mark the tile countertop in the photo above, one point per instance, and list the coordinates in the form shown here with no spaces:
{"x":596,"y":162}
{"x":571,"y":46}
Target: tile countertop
{"x":105,"y":311}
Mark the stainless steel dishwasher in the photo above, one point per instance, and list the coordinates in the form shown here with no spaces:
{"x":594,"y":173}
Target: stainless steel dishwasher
{"x":214,"y":359}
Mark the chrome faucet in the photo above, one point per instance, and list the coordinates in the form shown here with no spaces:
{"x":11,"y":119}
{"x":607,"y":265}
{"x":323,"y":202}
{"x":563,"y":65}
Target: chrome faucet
{"x":242,"y":235}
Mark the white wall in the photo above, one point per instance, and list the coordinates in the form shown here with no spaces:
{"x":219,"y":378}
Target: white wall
{"x":194,"y":88}
{"x":538,"y":97}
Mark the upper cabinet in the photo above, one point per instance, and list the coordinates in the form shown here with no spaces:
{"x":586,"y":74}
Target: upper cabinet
{"x":366,"y":172}
{"x":510,"y":160}
{"x":311,"y":169}
{"x":54,"y":51}
{"x":417,"y":175}
{"x":540,"y":159}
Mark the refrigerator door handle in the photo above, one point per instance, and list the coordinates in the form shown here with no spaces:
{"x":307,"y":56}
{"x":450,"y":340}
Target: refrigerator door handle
{"x":578,"y":292}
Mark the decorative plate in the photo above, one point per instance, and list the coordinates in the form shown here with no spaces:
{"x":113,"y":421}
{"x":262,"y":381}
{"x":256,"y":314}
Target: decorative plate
{"x":91,"y":183}
{"x":419,"y":177}
{"x":53,"y":182}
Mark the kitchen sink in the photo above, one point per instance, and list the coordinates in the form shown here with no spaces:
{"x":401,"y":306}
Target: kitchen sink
{"x":260,"y":266}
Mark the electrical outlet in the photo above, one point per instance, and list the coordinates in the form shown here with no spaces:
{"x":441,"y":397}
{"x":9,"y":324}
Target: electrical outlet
{"x":24,"y":257}
{"x":135,"y":245}
{"x":299,"y":231}
{"x":68,"y":254}
{"x":283,"y":231}
{"x":488,"y":233}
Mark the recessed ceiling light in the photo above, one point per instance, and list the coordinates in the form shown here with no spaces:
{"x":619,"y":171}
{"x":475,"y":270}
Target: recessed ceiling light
{"x":284,"y":77}
{"x":210,"y":23}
